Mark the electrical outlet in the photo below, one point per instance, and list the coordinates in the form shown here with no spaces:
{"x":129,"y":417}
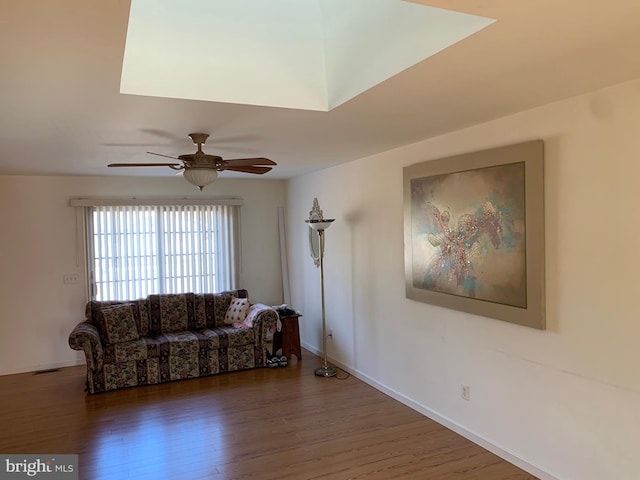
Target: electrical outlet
{"x":70,"y":278}
{"x":465,"y":392}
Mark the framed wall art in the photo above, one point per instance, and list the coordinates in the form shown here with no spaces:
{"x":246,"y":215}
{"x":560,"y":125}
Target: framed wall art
{"x":474,"y":233}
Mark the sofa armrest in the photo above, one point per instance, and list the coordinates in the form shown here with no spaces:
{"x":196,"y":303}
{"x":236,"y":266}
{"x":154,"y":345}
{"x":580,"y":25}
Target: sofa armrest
{"x":263,"y":320}
{"x":85,"y":337}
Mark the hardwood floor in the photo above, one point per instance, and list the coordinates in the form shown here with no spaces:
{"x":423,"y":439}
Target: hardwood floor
{"x":281,"y":423}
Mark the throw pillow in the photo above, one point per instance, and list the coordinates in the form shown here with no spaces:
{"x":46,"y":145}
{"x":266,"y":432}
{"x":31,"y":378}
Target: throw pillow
{"x":237,"y":311}
{"x":119,"y":323}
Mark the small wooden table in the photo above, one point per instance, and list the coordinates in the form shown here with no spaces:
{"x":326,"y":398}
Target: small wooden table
{"x":289,"y":337}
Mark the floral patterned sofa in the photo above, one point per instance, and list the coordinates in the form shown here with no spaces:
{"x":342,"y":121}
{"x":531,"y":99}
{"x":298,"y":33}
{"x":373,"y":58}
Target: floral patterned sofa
{"x":170,"y":337}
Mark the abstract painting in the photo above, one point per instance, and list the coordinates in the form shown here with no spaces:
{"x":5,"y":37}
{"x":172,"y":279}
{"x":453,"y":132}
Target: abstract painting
{"x":474,"y":233}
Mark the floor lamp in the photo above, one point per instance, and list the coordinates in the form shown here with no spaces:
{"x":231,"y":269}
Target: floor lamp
{"x":318,"y":225}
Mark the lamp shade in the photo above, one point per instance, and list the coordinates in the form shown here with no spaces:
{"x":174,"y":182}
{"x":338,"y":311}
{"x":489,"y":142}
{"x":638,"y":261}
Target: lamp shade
{"x":200,"y":177}
{"x":321,"y":224}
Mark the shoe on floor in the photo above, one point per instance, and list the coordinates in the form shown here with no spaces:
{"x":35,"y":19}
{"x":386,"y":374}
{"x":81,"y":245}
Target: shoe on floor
{"x":273,"y":362}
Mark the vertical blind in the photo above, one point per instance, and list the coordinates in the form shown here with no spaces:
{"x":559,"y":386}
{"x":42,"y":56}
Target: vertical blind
{"x":138,"y":250}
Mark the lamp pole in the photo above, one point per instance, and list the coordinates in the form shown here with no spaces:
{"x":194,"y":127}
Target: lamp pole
{"x":318,"y":223}
{"x":325,"y":370}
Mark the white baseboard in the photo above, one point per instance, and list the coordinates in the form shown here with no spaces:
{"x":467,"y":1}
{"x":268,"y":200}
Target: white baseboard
{"x":41,"y":367}
{"x":313,"y":350}
{"x":442,"y":420}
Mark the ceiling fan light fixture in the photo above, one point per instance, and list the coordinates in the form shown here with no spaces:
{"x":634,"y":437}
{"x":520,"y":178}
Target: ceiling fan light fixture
{"x":200,"y":177}
{"x":201,"y":169}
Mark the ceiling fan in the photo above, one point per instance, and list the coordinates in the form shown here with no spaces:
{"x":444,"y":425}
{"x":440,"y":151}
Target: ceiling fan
{"x":201,"y":169}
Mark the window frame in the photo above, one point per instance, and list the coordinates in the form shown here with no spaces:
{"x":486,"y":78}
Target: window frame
{"x":226,"y":245}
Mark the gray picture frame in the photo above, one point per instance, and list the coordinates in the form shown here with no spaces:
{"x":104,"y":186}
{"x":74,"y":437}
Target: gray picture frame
{"x":474,"y":233}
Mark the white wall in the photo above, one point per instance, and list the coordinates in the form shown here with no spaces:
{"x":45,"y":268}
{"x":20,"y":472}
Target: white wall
{"x":38,"y":244}
{"x":565,"y":402}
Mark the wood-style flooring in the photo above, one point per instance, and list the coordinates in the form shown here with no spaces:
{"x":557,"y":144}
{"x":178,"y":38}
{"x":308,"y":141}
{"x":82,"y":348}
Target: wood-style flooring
{"x":281,"y":423}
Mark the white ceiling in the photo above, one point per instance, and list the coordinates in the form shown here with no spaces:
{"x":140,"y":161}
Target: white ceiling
{"x":62,"y":112}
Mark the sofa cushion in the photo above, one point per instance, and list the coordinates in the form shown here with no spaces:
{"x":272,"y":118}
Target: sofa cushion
{"x":224,"y":337}
{"x":172,"y":313}
{"x":237,"y":311}
{"x":118,"y":323}
{"x":93,"y":313}
{"x":173,"y":344}
{"x":184,"y":344}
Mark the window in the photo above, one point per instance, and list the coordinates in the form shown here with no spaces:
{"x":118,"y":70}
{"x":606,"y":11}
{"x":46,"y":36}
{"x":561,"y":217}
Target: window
{"x":134,"y":251}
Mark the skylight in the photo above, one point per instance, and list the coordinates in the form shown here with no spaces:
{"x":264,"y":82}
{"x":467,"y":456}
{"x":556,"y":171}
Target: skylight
{"x":302,"y":54}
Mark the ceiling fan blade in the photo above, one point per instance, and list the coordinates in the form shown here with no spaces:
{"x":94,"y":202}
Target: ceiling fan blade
{"x":240,"y":162}
{"x":143,"y":165}
{"x":258,"y":170}
{"x":161,"y":155}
